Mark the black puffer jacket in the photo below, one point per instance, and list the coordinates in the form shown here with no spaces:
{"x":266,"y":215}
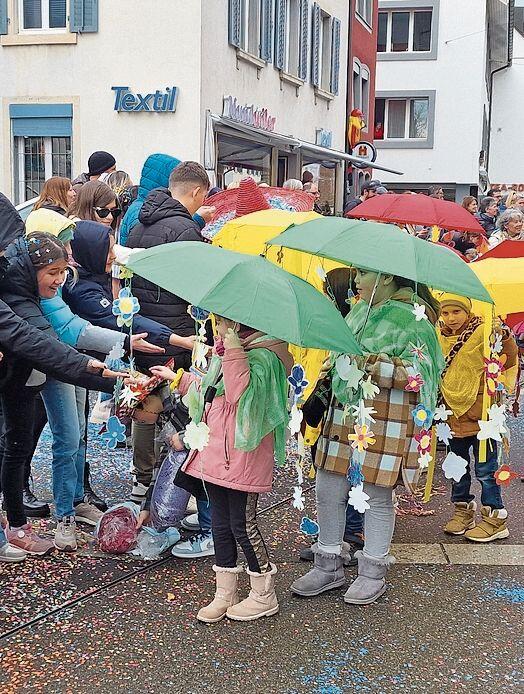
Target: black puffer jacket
{"x":163,"y":220}
{"x":487,"y":223}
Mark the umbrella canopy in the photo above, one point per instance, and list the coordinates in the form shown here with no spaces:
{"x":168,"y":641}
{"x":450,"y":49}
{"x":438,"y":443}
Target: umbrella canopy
{"x":417,"y":209}
{"x":247,"y":289}
{"x":506,"y":249}
{"x":385,"y":248}
{"x":504,"y":279}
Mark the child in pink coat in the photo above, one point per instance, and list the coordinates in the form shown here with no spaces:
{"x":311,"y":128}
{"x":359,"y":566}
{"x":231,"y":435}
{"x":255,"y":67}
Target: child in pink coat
{"x":241,"y":409}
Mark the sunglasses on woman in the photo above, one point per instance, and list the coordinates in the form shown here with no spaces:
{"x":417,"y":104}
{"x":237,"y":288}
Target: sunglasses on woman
{"x":104,"y":212}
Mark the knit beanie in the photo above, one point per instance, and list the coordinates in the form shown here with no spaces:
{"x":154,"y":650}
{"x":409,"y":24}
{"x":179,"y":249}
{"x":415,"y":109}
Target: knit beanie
{"x":99,"y":162}
{"x":462,"y":302}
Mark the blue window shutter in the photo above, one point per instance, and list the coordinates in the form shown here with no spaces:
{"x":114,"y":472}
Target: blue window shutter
{"x":235,"y":17}
{"x":280,"y":35}
{"x":3,"y":17}
{"x":315,"y":46}
{"x":335,"y":55}
{"x":83,"y":16}
{"x":266,"y":30}
{"x":304,"y":39}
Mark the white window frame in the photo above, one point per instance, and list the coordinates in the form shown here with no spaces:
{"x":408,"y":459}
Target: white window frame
{"x":245,"y":14}
{"x":46,"y":29}
{"x":367,"y":17}
{"x":290,"y":29}
{"x":325,"y":79}
{"x":363,"y":73}
{"x":19,"y":148}
{"x":411,"y":29}
{"x":407,"y":142}
{"x":407,"y":116}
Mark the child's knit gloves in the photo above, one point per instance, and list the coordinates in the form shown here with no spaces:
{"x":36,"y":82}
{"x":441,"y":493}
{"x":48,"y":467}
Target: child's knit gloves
{"x":231,"y":339}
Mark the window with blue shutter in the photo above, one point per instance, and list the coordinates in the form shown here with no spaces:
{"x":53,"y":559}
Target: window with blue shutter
{"x":83,"y":16}
{"x":280,"y":34}
{"x":315,"y":45}
{"x":335,"y":55}
{"x":266,"y":30}
{"x":3,"y":17}
{"x":304,"y":39}
{"x":235,"y":19}
{"x":51,"y":120}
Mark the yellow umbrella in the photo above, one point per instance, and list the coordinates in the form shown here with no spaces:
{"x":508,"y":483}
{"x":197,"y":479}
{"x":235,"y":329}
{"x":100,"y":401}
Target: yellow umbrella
{"x":504,"y":280}
{"x":250,"y":234}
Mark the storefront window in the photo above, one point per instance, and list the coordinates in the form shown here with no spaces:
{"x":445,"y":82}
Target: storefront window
{"x":324,"y":181}
{"x":238,"y":158}
{"x":37,"y":159}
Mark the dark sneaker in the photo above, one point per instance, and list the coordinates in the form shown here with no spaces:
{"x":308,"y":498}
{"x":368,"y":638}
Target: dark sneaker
{"x":33,"y":507}
{"x":91,"y":498}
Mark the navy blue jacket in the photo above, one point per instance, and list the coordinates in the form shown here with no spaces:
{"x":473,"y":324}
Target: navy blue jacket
{"x":90,"y":296}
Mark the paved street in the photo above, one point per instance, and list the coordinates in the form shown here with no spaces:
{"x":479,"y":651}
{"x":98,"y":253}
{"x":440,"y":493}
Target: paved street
{"x":451,"y":621}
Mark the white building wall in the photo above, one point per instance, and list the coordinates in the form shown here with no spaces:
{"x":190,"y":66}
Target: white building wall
{"x":457,"y":76}
{"x":506,"y":162}
{"x":145,"y":46}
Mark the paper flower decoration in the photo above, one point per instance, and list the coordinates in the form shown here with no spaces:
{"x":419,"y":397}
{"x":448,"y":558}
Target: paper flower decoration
{"x":444,"y":432}
{"x":115,"y":432}
{"x":192,"y":401}
{"x":441,"y":414}
{"x":454,"y":466}
{"x":497,"y":345}
{"x":419,"y":311}
{"x":354,"y":474}
{"x":298,"y":498}
{"x":358,"y":498}
{"x":200,"y":350}
{"x":497,"y":413}
{"x":297,"y":381}
{"x":295,"y":420}
{"x":116,"y":352}
{"x":424,"y":460}
{"x":129,"y":397}
{"x":414,"y":384}
{"x":422,"y":416}
{"x":362,"y":413}
{"x":369,"y":389}
{"x":504,"y":475}
{"x":418,"y":351}
{"x":490,"y":430}
{"x":362,"y":438}
{"x":348,"y":371}
{"x":125,"y":307}
{"x":309,"y":527}
{"x":423,"y":439}
{"x":493,"y":369}
{"x":197,"y":436}
{"x":125,"y":273}
{"x":198,"y":314}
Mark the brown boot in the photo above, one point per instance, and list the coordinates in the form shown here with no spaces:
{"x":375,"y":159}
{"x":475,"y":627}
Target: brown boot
{"x":261,"y":601}
{"x":226,"y":594}
{"x":464,"y":518}
{"x":491,"y":527}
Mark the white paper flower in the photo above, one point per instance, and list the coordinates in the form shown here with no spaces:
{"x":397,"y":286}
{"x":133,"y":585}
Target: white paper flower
{"x":362,"y":413}
{"x":298,"y":498}
{"x":444,"y":432}
{"x":128,"y":397}
{"x":369,"y":389}
{"x":116,"y":352}
{"x":441,"y":414}
{"x":200,"y":350}
{"x":424,"y":461}
{"x":454,"y":466}
{"x":358,"y":498}
{"x":321,"y":273}
{"x":490,"y":430}
{"x":497,"y":413}
{"x":348,"y":371}
{"x":419,"y":311}
{"x":197,"y":436}
{"x":497,"y":345}
{"x":295,"y":420}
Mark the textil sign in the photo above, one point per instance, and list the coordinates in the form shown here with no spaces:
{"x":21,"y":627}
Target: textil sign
{"x":155,"y":102}
{"x":248,"y":115}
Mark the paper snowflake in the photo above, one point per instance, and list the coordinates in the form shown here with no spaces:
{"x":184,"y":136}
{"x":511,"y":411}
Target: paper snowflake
{"x":424,"y":460}
{"x":295,"y":420}
{"x":125,"y":307}
{"x":362,"y":438}
{"x":414,"y":384}
{"x":422,"y":416}
{"x":444,"y":432}
{"x":197,"y":436}
{"x":441,"y":414}
{"x":419,"y":311}
{"x":298,"y":498}
{"x":362,"y":413}
{"x":348,"y":371}
{"x":369,"y":389}
{"x":358,"y":498}
{"x":454,"y":466}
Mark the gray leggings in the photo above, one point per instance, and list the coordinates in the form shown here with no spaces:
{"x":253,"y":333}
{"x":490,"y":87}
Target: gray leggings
{"x":379,"y":520}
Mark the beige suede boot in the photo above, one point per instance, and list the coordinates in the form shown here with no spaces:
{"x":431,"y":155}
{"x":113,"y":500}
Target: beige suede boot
{"x":463,"y":518}
{"x":226,"y":594}
{"x":261,"y":601}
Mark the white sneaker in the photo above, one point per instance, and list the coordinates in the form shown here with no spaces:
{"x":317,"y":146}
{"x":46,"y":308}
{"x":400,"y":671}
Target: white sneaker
{"x":65,"y":534}
{"x":139,"y":491}
{"x":190,"y":522}
{"x":196,"y":546}
{"x":11,"y":554}
{"x":192,"y":506}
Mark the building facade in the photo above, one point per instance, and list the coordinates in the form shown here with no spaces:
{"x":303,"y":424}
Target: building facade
{"x":245,"y":86}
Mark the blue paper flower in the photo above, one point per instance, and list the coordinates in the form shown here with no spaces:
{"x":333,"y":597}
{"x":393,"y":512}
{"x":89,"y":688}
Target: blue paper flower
{"x":125,"y":307}
{"x":197,"y":313}
{"x":115,"y":432}
{"x":308,"y":526}
{"x":422,"y":416}
{"x":354,"y":474}
{"x":297,"y":381}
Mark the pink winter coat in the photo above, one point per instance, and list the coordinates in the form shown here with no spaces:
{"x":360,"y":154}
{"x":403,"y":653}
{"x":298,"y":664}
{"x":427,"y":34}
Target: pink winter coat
{"x":220,"y":462}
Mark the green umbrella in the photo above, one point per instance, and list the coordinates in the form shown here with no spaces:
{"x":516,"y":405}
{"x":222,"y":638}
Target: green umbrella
{"x":385,"y":248}
{"x":247,"y":289}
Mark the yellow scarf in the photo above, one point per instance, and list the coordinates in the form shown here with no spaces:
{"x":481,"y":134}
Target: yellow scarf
{"x":461,"y":383}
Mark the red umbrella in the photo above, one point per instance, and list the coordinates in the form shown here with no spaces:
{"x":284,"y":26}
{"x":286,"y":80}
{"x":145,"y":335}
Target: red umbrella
{"x":506,"y":249}
{"x":416,"y":209}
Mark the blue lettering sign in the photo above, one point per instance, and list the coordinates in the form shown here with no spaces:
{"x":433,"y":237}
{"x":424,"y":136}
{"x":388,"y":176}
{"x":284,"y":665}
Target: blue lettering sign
{"x":156,"y":102}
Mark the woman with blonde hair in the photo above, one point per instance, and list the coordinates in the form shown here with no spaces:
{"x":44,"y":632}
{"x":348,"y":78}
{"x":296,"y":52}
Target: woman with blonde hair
{"x":57,"y":194}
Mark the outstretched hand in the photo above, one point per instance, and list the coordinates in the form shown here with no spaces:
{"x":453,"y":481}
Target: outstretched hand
{"x":163,"y":372}
{"x":140,"y":343}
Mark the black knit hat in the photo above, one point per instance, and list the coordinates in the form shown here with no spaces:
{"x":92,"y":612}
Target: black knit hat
{"x":99,"y":162}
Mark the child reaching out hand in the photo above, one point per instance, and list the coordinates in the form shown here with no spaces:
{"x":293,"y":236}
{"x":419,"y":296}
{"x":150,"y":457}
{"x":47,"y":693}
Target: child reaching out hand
{"x":243,"y":401}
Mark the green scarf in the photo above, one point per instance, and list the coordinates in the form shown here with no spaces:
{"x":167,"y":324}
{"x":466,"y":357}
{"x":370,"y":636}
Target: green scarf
{"x":391,"y":329}
{"x":262,"y":407}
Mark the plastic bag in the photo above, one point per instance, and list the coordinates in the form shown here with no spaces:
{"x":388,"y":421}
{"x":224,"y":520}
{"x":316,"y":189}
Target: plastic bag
{"x":168,"y":502}
{"x":151,"y":544}
{"x":116,"y":530}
